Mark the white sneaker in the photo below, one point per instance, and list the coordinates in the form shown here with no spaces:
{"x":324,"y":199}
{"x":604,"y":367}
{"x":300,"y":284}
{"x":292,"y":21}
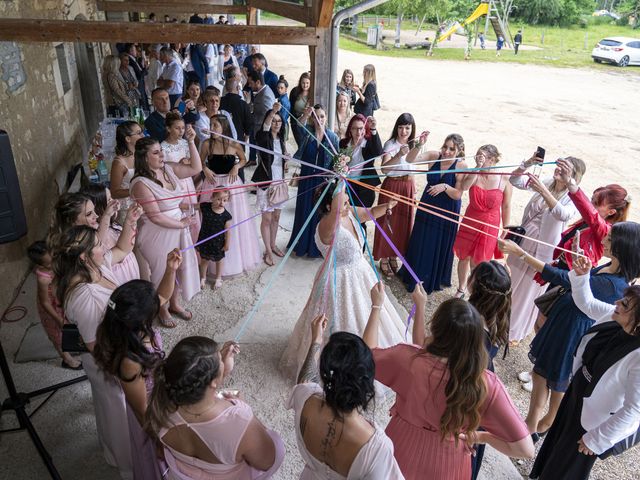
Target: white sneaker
{"x":528,"y":386}
{"x":524,"y":377}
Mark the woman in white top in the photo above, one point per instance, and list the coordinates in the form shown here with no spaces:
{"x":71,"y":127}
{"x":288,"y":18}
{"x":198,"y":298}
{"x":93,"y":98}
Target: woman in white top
{"x":343,"y":114}
{"x":177,"y":149}
{"x":211,"y":100}
{"x":127,"y":134}
{"x":271,"y":168}
{"x":545,"y":218}
{"x":399,"y":153}
{"x":334,"y":439}
{"x":599,"y":413}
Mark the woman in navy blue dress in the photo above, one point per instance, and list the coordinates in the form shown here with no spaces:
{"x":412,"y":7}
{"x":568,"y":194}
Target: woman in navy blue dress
{"x":554,"y":345}
{"x":430,"y":251}
{"x":311,"y":152}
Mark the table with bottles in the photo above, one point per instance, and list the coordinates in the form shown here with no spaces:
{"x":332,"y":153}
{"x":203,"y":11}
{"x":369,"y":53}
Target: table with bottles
{"x":102,"y":151}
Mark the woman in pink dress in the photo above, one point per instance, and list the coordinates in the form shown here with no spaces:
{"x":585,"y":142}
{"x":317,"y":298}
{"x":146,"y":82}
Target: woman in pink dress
{"x":177,"y":149}
{"x":163,"y":227}
{"x":207,"y":431}
{"x":489,"y":202}
{"x":224,"y":159}
{"x":128,"y":348}
{"x":109,"y":230}
{"x":443,"y":394}
{"x":84,"y":282}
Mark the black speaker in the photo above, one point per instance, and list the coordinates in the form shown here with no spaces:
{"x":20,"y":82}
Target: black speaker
{"x":13,"y":224}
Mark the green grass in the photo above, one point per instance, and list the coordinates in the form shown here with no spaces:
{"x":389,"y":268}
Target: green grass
{"x":560,"y":47}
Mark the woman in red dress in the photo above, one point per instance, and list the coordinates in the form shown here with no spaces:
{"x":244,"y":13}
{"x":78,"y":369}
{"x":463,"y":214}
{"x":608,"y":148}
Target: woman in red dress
{"x":489,"y":203}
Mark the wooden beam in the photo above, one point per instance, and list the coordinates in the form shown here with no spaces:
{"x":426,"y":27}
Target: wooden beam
{"x":170,"y":7}
{"x":39,"y":30}
{"x":294,"y":11}
{"x":323,"y":13}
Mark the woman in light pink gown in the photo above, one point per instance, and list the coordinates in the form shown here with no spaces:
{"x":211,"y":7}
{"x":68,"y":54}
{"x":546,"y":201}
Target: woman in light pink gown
{"x":128,"y":348}
{"x":84,"y":282}
{"x":224,"y":159}
{"x":177,"y":149}
{"x":156,"y":186}
{"x":109,"y":231}
{"x":191,"y":412}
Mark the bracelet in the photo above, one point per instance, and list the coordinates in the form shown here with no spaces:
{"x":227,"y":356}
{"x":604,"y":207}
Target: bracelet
{"x":523,"y":165}
{"x":523,"y":256}
{"x":377,"y":307}
{"x":445,"y":187}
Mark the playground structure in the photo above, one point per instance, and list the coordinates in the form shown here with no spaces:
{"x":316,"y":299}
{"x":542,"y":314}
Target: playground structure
{"x":496,"y":13}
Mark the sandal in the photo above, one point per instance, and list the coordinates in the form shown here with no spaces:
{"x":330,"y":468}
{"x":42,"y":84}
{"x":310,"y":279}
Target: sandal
{"x":183,"y":314}
{"x":268,"y":260}
{"x":460,"y":294}
{"x":277,"y":251}
{"x":393,"y":263}
{"x":217,"y":284}
{"x":385,"y":268}
{"x":71,"y":367}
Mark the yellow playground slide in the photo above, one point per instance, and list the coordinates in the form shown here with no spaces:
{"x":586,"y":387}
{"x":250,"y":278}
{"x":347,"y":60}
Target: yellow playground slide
{"x":483,"y":9}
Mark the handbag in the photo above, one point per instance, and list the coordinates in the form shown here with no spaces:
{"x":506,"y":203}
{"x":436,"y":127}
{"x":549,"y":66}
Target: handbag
{"x":71,"y":340}
{"x":277,"y":193}
{"x":548,"y":299}
{"x":517,"y":229}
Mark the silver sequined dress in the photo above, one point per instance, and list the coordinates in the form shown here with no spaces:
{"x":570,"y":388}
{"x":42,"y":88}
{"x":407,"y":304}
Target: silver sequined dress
{"x":350,"y":275}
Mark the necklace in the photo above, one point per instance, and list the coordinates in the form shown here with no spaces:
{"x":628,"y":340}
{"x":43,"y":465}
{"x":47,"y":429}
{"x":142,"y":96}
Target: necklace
{"x":201,"y":413}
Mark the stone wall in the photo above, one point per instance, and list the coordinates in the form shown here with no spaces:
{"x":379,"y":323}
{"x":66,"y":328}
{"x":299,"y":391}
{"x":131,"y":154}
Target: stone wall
{"x":41,"y":110}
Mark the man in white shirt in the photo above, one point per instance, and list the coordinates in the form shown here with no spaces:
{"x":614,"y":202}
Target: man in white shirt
{"x":172,"y":77}
{"x":262,"y":102}
{"x":154,"y":70}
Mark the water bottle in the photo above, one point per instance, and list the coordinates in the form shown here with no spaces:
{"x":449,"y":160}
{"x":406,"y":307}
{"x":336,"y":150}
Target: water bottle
{"x":103,"y":173}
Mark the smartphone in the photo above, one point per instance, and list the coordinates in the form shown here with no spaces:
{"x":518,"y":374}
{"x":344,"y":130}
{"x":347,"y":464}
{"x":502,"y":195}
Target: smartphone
{"x":183,"y":106}
{"x":540,"y":152}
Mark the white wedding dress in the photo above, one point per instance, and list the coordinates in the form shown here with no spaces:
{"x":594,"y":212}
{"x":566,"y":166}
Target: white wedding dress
{"x":347,"y":272}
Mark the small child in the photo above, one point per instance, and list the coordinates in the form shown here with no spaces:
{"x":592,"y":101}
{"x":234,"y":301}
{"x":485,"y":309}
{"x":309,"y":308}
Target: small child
{"x":215,"y":219}
{"x":49,"y":309}
{"x":283,"y":99}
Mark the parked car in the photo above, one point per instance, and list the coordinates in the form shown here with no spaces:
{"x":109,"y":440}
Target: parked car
{"x":605,"y":13}
{"x":622,"y":51}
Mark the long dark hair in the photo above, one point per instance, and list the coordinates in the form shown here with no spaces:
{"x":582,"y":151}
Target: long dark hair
{"x":625,"y":246}
{"x":124,"y":130}
{"x":632,"y":293}
{"x":404,"y":119}
{"x":491,"y":295}
{"x":347,"y":370}
{"x":226,"y":131}
{"x":67,"y":261}
{"x":98,"y":195}
{"x":181,"y":379}
{"x":65,"y":214}
{"x":458,"y":335}
{"x":127,"y":323}
{"x":140,"y":159}
{"x":281,"y":133}
{"x":325,"y":205}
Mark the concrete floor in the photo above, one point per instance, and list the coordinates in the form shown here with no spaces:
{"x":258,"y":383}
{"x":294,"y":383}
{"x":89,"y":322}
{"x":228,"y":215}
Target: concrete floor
{"x":66,"y":423}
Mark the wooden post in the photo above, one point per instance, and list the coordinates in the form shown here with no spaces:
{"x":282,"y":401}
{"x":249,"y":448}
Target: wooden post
{"x":320,"y":66}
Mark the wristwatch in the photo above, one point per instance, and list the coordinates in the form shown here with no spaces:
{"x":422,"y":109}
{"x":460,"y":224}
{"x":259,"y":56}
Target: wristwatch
{"x":236,"y":161}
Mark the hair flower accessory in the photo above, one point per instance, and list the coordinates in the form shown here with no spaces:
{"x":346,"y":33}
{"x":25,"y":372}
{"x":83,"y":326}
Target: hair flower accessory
{"x":628,"y":198}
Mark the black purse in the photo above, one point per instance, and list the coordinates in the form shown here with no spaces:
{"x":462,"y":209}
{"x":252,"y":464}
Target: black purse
{"x":548,"y":299}
{"x":515,"y":229}
{"x":71,"y":340}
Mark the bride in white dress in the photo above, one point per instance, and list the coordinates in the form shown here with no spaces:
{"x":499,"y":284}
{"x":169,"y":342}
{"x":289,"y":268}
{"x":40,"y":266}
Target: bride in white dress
{"x":341,"y":288}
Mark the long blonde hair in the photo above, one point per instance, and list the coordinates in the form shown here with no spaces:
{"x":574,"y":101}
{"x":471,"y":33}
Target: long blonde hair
{"x":369,"y":72}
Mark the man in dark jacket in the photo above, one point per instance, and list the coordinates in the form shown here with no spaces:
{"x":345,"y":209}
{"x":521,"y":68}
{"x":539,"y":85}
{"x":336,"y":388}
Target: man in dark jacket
{"x":155,"y":123}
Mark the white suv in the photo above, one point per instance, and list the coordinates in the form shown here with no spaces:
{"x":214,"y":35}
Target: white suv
{"x":622,"y":51}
